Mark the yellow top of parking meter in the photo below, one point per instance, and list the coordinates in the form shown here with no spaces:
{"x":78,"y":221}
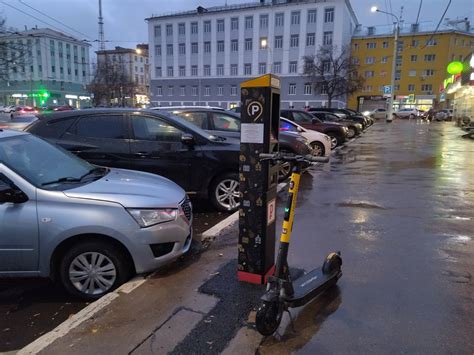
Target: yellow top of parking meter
{"x":267,"y":80}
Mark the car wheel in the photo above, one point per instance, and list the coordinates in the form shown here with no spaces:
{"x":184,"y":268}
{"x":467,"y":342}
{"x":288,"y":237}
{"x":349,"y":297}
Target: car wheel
{"x":351,"y":133}
{"x":412,"y":116}
{"x":334,"y":140}
{"x":91,"y":269}
{"x":225,"y":192}
{"x":318,"y":149}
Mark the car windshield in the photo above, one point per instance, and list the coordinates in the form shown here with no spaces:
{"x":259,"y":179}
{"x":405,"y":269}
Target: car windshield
{"x":332,"y":118}
{"x":45,"y":165}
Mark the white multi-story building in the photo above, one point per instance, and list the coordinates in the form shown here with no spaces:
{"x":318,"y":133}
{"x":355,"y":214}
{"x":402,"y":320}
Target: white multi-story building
{"x":52,"y":68}
{"x":202,"y":56}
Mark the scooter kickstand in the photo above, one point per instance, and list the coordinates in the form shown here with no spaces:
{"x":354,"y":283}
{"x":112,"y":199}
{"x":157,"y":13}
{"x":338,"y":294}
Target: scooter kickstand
{"x":292,"y":323}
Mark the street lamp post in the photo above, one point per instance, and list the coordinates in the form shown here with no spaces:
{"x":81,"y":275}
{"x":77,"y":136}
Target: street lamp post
{"x":264,"y":45}
{"x":394,"y":58}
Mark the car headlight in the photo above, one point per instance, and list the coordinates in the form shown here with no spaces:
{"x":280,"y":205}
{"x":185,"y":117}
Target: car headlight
{"x":358,"y":125}
{"x":327,"y":138}
{"x":366,"y":113}
{"x":149,"y":217}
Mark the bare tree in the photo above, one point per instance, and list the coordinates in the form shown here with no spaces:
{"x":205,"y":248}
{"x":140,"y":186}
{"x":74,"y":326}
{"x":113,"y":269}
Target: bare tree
{"x":13,"y":53}
{"x":332,"y":72}
{"x":111,"y":82}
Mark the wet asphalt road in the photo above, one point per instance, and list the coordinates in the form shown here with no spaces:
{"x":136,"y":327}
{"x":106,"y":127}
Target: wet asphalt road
{"x":399,"y":204}
{"x":30,"y":308}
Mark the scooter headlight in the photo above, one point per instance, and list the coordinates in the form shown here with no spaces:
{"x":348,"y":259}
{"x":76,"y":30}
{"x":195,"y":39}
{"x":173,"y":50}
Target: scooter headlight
{"x":149,"y":217}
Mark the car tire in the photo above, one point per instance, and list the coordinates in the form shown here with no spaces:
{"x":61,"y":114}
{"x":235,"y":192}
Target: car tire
{"x":84,"y":258}
{"x":335,"y":139}
{"x":318,"y":149}
{"x":224,"y":192}
{"x":351,"y":132}
{"x":412,"y":116}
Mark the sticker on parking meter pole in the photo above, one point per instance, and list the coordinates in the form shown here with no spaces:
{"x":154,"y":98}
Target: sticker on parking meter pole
{"x":251,"y":133}
{"x":271,"y":212}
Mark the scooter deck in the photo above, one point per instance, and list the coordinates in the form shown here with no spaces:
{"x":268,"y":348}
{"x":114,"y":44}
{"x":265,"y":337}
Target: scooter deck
{"x":310,"y":285}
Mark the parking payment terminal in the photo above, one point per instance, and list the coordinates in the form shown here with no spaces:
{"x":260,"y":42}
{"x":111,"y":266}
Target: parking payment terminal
{"x":260,"y":124}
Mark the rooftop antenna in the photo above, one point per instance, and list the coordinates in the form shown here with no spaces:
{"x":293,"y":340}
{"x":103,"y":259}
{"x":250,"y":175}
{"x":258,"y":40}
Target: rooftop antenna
{"x":101,"y":28}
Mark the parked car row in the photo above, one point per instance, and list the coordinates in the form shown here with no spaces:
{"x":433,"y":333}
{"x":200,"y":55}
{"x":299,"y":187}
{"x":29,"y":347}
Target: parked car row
{"x":16,"y":110}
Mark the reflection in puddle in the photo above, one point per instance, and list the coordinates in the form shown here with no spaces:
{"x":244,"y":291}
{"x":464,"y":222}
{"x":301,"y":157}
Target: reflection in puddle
{"x":360,"y":204}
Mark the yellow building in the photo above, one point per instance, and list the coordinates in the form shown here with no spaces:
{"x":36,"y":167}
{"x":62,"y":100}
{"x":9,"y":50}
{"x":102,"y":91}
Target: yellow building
{"x":421,"y":64}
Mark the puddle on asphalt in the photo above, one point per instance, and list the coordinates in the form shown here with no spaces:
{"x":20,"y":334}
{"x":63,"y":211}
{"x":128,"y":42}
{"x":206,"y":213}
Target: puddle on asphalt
{"x":428,"y":163}
{"x":361,"y":204}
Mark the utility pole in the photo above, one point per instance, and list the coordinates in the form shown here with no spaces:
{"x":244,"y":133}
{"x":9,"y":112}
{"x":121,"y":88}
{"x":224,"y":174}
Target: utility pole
{"x":101,"y":28}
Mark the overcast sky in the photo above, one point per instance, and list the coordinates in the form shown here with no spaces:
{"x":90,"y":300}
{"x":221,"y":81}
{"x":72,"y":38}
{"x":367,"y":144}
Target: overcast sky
{"x":125,"y":25}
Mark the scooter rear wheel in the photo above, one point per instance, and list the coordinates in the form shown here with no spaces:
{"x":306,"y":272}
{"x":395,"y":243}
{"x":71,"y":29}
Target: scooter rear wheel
{"x":268,"y":317}
{"x":332,"y":263}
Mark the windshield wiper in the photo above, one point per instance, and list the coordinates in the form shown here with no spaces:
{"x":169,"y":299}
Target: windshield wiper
{"x":61,"y":180}
{"x":94,"y":171}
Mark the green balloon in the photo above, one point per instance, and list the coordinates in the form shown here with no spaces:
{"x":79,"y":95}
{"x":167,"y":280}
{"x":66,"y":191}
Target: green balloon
{"x":455,"y":68}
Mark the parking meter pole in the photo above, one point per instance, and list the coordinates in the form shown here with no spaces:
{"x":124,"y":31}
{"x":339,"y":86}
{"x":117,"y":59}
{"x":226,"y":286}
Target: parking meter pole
{"x":260,"y":125}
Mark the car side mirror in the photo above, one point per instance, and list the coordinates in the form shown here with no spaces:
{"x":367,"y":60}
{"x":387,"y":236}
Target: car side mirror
{"x":11,"y":193}
{"x":188,"y":139}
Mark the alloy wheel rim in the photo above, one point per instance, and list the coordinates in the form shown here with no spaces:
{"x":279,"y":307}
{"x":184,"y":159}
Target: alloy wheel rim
{"x":92,"y":273}
{"x":351,"y":133}
{"x":285,"y":170}
{"x":333,"y":142}
{"x":317,"y":150}
{"x":227,"y":193}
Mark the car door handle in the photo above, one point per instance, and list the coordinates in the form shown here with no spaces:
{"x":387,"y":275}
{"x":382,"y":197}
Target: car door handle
{"x":142,"y":154}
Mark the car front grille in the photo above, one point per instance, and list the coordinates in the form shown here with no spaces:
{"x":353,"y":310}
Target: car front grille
{"x":187,"y":208}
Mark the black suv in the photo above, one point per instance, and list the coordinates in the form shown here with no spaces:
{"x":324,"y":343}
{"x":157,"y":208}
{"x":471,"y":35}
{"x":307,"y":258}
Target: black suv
{"x":343,"y":113}
{"x":227,"y":124}
{"x":156,"y":142}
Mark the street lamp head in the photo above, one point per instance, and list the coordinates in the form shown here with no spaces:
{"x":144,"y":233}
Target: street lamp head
{"x":263,"y":43}
{"x":374,"y":9}
{"x":138,"y":51}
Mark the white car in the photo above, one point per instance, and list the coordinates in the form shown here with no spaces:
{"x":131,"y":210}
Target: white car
{"x":9,"y":109}
{"x":378,"y":113}
{"x":320,"y":142}
{"x":406,"y":113}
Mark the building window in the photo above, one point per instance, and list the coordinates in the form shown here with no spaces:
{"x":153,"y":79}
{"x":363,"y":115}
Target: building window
{"x":159,"y":91}
{"x":248,"y":44}
{"x":278,"y":42}
{"x":181,"y":29}
{"x":312,"y":14}
{"x":430,"y":57}
{"x":170,"y":71}
{"x":207,"y":70}
{"x":415,"y":43}
{"x":220,"y":70}
{"x":233,"y":69}
{"x":279,"y":19}
{"x":182,"y":48}
{"x":413,"y":58}
{"x":169,"y":30}
{"x":234,"y":23}
{"x":324,"y":89}
{"x":412,"y":73}
{"x":400,"y":46}
{"x":369,"y":73}
{"x":262,"y":68}
{"x":384,"y":59}
{"x":182,"y":70}
{"x":220,"y":90}
{"x":431,"y":42}
{"x":356,"y":46}
{"x":262,"y":41}
{"x":308,"y":89}
{"x":292,"y":89}
{"x":428,"y":72}
{"x":398,"y":61}
{"x":207,"y":90}
{"x":329,"y":15}
{"x":263,"y":21}
{"x":371,"y":45}
{"x":327,"y":38}
{"x":326,"y":66}
{"x":295,"y":17}
{"x":310,"y":39}
{"x":396,"y":87}
{"x":426,"y":87}
{"x":293,"y":68}
{"x":233,"y":90}
{"x":277,"y":67}
{"x":384,"y":44}
{"x":194,"y":48}
{"x":369,"y":60}
{"x":248,"y":22}
{"x":158,"y":71}
{"x":53,"y":69}
{"x":194,"y":91}
{"x":398,"y":74}
{"x":158,"y":50}
{"x":157,"y":29}
{"x":294,"y":41}
{"x":248,"y":69}
{"x":220,"y":46}
{"x":234,"y":45}
{"x":169,"y":49}
{"x":220,"y":25}
{"x":194,"y":70}
{"x":182,"y":90}
{"x":207,"y":47}
{"x":194,"y":28}
{"x":355,"y":60}
{"x":411,"y":87}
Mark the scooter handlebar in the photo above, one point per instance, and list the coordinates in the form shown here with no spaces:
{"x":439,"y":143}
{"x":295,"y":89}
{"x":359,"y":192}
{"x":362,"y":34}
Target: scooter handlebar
{"x":292,"y":157}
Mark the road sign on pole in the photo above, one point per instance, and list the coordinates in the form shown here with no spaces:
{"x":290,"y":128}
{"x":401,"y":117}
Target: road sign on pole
{"x":387,"y":90}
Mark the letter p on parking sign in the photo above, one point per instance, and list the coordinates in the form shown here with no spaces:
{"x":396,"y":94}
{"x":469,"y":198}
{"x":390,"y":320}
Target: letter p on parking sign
{"x":271,"y":212}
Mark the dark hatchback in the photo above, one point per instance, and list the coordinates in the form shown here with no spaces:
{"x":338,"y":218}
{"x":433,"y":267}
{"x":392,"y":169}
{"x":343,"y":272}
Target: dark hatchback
{"x":344,"y":113}
{"x":355,"y":128}
{"x":336,"y":131}
{"x":157,"y":142}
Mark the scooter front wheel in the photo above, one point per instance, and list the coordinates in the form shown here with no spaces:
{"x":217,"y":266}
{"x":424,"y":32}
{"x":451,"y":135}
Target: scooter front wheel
{"x":268,"y":317}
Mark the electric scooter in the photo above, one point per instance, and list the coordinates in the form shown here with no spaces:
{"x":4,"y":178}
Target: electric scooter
{"x":283,"y":293}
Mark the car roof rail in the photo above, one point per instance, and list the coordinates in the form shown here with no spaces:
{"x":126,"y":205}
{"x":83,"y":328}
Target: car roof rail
{"x":166,"y":108}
